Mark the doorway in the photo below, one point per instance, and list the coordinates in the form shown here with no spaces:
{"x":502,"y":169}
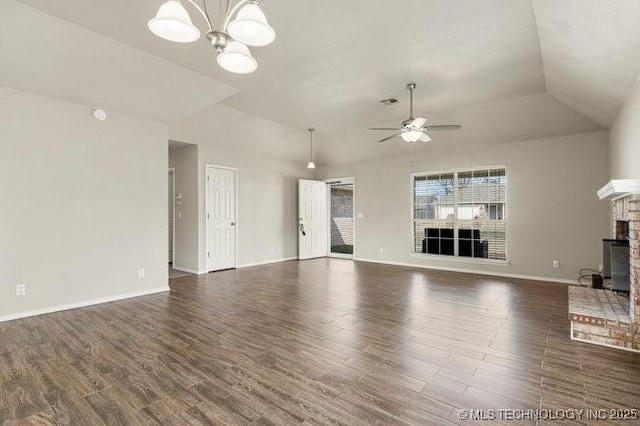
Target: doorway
{"x":221,"y":228}
{"x":172,"y":220}
{"x":341,"y":207}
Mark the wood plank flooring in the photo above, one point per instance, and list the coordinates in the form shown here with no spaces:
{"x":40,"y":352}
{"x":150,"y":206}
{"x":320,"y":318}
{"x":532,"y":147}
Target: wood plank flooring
{"x":324,"y":341}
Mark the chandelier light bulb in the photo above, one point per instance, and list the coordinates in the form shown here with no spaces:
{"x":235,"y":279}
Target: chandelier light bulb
{"x":172,"y":22}
{"x":251,"y":27}
{"x":237,"y":59}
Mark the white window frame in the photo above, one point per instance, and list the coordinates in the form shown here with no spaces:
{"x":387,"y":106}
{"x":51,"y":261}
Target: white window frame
{"x":456,"y":257}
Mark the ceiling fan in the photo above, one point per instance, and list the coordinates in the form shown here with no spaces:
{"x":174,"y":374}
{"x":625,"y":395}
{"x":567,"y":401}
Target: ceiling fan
{"x":413,"y":129}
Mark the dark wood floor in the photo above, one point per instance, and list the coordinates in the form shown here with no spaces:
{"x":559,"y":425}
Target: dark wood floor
{"x":315,"y":342}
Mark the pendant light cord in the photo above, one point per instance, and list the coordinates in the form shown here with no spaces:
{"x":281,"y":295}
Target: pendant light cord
{"x":311,"y":145}
{"x":413,"y":145}
{"x":411,"y":102}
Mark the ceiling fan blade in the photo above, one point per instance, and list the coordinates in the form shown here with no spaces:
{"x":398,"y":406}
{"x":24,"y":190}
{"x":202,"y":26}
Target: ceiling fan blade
{"x":389,"y":137}
{"x":418,"y":123}
{"x":444,"y":127}
{"x":384,"y":128}
{"x":425,"y":138}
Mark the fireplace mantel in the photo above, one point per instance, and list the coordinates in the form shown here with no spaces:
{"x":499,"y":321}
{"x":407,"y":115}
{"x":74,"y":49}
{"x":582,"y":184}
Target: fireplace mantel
{"x":619,"y":188}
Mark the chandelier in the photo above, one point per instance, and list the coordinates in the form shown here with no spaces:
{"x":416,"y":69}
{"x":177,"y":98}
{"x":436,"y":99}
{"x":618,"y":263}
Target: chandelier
{"x":249,"y":28}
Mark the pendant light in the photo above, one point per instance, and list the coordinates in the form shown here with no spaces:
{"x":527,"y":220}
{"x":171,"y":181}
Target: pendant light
{"x":172,"y":22}
{"x":237,"y":59}
{"x":311,"y":164}
{"x":251,"y":27}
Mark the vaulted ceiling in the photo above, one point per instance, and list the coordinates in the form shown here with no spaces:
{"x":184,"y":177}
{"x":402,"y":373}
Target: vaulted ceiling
{"x":333,"y":60}
{"x":591,"y":53}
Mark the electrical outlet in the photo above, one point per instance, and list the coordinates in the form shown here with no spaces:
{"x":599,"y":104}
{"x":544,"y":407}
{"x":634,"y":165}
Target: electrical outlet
{"x":141,"y":273}
{"x":556,"y":264}
{"x":21,"y":290}
{"x":600,"y":268}
{"x":179,"y":215}
{"x":381,"y":250}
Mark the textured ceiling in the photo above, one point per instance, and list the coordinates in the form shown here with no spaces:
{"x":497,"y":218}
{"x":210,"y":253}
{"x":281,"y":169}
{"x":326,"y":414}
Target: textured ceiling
{"x":46,"y":55}
{"x":333,"y":60}
{"x":517,"y":119}
{"x":591,"y":52}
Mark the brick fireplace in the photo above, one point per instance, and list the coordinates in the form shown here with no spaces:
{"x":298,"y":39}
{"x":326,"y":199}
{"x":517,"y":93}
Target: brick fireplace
{"x":601,"y":316}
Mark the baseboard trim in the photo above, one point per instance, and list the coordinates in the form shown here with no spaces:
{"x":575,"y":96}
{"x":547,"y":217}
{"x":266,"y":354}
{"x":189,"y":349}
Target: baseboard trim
{"x":469,"y":271}
{"x":187,"y":270}
{"x":82,"y":304}
{"x":267,"y":262}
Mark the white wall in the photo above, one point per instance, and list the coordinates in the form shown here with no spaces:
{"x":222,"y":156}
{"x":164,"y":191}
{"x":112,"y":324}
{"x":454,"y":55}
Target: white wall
{"x":185,"y":162}
{"x":270,"y":158}
{"x":554,"y":213}
{"x":624,"y":141}
{"x":84,"y":203}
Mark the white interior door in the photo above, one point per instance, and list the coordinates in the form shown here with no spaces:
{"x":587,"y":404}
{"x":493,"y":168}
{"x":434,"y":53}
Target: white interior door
{"x":312,"y":219}
{"x":221,"y":218}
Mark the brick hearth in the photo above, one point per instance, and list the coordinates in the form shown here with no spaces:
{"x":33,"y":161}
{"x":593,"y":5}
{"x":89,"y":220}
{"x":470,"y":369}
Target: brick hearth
{"x":603,"y":317}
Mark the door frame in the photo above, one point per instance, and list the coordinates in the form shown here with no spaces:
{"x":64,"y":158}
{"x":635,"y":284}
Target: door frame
{"x":236,"y":176}
{"x":344,"y":180}
{"x":172,"y":170}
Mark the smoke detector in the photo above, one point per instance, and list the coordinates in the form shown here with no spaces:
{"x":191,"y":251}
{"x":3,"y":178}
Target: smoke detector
{"x":99,"y":114}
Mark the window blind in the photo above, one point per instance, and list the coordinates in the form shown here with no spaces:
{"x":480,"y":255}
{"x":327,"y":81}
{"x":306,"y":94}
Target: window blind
{"x":461,"y":213}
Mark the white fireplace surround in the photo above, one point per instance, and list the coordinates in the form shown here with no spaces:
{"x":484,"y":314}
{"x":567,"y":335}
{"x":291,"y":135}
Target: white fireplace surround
{"x":619,"y":188}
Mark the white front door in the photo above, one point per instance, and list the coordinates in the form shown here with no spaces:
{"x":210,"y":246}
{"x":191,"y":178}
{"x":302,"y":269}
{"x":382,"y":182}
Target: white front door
{"x":312,"y":219}
{"x":221,"y":218}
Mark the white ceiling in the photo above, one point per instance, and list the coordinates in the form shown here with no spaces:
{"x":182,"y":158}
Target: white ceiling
{"x":46,"y":55}
{"x":591,"y":51}
{"x":333,"y":60}
{"x":517,"y":119}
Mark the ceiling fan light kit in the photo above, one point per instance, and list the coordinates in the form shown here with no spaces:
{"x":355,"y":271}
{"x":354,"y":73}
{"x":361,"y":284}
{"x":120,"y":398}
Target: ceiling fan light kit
{"x":413,"y":129}
{"x":250,"y":28}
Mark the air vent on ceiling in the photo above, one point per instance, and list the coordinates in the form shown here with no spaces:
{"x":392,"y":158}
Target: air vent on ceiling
{"x":389,"y":101}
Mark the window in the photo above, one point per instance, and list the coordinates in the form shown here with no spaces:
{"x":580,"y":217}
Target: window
{"x":461,"y":213}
